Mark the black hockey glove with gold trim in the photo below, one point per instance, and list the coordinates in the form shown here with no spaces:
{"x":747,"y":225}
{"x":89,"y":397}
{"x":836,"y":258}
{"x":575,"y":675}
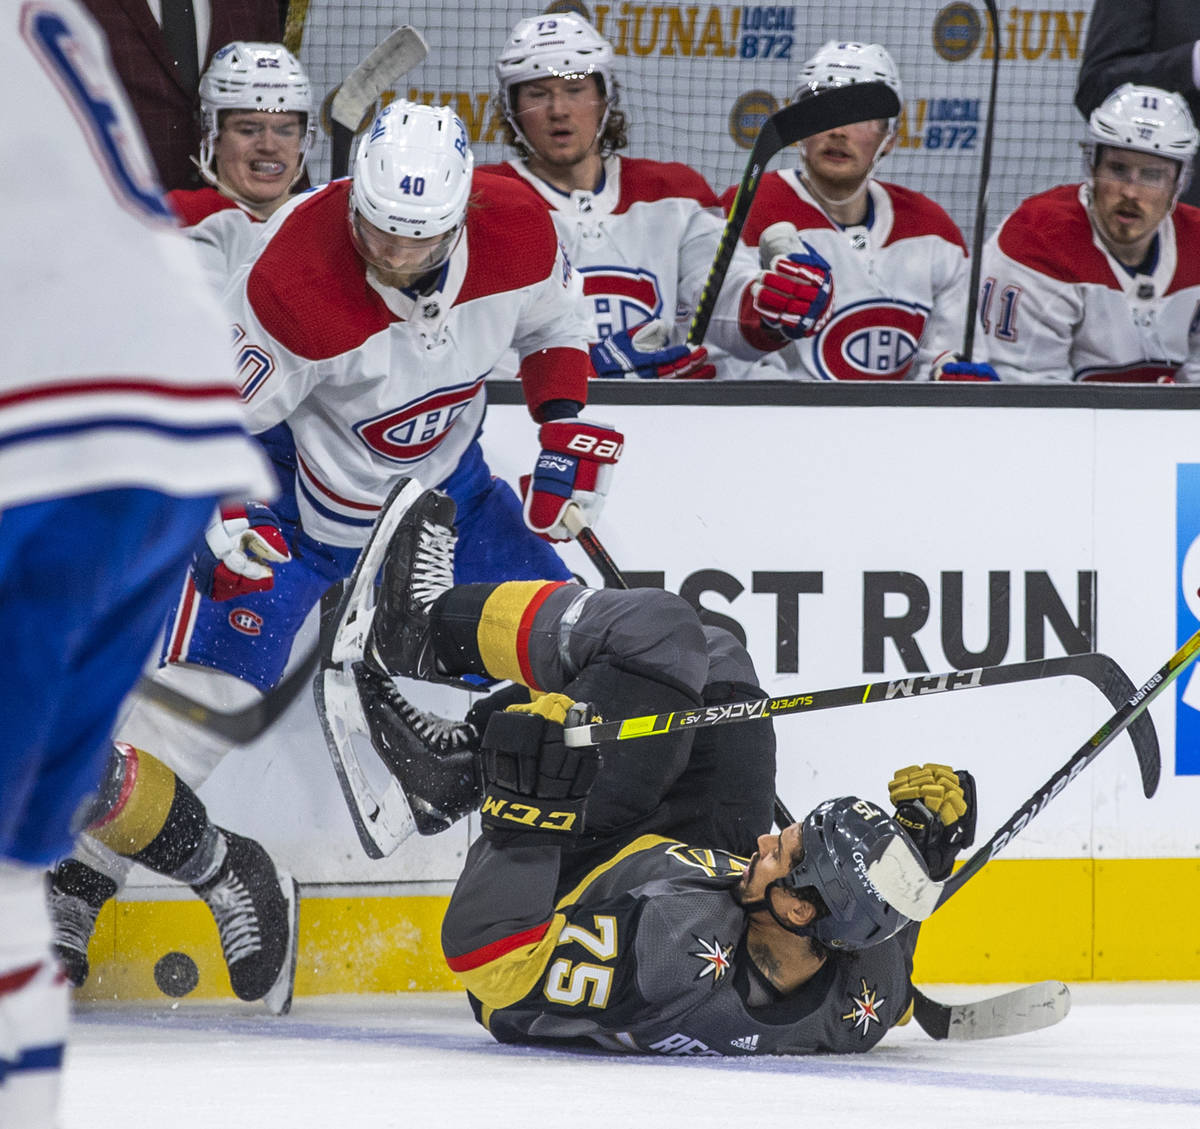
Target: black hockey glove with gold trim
{"x":535,"y":787}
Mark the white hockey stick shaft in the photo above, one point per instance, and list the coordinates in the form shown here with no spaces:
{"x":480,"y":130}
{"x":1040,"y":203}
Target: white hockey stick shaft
{"x":398,"y":54}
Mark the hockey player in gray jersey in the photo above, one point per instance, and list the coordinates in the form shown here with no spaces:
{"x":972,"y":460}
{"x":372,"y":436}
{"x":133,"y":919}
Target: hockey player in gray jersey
{"x":623,"y":897}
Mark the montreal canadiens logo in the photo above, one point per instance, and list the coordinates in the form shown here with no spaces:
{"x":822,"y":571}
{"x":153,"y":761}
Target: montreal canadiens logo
{"x":245,"y":621}
{"x":621,"y":298}
{"x":871,"y":340}
{"x":409,"y":433}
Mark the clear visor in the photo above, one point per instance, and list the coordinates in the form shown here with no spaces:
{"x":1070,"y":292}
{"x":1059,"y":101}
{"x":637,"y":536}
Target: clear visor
{"x":401,"y":254}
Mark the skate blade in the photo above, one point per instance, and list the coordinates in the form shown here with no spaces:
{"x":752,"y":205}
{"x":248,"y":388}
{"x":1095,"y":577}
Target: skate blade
{"x":279,"y":997}
{"x":381,"y":815}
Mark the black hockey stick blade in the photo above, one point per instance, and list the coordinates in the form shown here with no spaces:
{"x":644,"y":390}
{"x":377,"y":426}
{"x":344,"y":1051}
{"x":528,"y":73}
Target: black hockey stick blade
{"x":816,"y":113}
{"x":238,"y":726}
{"x":391,"y":60}
{"x":1012,"y":1013}
{"x":920,"y":898}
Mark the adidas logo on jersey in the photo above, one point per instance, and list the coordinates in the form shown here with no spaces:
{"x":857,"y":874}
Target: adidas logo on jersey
{"x":745,"y":1043}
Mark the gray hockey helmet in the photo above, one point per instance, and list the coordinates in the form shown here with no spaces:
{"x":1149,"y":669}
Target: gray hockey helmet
{"x":842,"y":838}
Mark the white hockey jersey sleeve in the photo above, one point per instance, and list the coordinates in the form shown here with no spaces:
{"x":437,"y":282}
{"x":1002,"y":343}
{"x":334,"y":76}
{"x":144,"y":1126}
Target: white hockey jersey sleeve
{"x":1027,"y":319}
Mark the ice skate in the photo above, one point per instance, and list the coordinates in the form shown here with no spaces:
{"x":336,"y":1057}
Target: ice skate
{"x":76,"y":895}
{"x":418,"y":567}
{"x":256,"y":909}
{"x":433,"y":759}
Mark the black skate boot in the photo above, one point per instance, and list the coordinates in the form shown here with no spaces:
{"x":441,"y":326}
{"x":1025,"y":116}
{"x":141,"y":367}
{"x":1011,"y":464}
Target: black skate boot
{"x":76,"y":896}
{"x":418,"y":568}
{"x":434,"y":760}
{"x":257,"y":911}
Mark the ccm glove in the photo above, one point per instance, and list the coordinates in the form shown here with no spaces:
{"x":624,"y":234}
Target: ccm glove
{"x":240,"y":545}
{"x":936,"y":806}
{"x":534,"y":787}
{"x":575,"y":465}
{"x":643,"y":352}
{"x":950,"y":366}
{"x":794,"y":295}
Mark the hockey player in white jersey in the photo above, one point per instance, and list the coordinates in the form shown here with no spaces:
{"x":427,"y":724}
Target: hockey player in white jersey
{"x":642,"y":233}
{"x":120,"y":427}
{"x":367,"y":321}
{"x":1100,"y":281}
{"x":899,"y":263}
{"x":258,"y":126}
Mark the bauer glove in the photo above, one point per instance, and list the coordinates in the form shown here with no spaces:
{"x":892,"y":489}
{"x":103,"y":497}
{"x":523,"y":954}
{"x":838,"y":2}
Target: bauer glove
{"x":240,"y":545}
{"x":534,"y":787}
{"x":574,"y":465}
{"x":936,"y":806}
{"x":643,"y":352}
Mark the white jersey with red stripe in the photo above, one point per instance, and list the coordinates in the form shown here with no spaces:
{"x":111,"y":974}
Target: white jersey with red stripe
{"x":86,"y":404}
{"x":222,"y":229}
{"x":644,"y":243}
{"x":1055,"y":305}
{"x":899,"y":283}
{"x":375,"y":383}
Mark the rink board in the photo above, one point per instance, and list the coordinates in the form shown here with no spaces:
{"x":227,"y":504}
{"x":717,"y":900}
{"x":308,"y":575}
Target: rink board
{"x":1069,"y":919}
{"x":854,"y":535}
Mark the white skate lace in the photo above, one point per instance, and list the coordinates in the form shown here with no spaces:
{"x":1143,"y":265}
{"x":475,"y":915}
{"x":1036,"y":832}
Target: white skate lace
{"x":444,"y":735}
{"x":237,"y":920}
{"x":433,"y":563}
{"x":74,"y":920}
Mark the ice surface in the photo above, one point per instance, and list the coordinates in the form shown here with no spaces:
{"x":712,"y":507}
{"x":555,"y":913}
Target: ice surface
{"x":1125,"y":1057}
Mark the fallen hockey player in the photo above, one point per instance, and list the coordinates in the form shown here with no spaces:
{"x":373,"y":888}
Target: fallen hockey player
{"x":625,"y":897}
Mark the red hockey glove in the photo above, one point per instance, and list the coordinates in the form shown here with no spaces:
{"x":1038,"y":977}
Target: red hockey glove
{"x":575,"y":465}
{"x":238,"y":545}
{"x":794,"y":295}
{"x":643,"y":352}
{"x":950,"y":366}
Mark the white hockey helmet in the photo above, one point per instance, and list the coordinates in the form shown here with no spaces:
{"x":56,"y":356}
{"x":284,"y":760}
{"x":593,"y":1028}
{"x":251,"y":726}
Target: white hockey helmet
{"x":253,"y":76}
{"x":1148,"y":120}
{"x":412,"y":176}
{"x":842,"y":64}
{"x":562,"y":45}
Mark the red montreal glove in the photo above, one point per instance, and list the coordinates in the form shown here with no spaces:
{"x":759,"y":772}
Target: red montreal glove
{"x":794,"y":295}
{"x":575,"y":465}
{"x":233,"y":561}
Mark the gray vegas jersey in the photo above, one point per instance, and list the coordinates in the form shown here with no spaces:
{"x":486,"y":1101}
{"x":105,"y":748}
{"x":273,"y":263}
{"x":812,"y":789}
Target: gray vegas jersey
{"x":646,"y":953}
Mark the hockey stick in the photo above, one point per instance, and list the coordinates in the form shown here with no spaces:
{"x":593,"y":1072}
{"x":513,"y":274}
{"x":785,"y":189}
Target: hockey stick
{"x":1098,"y":669}
{"x":398,"y":54}
{"x":918,"y":899}
{"x":816,"y":113}
{"x":237,"y":726}
{"x":1105,"y":674}
{"x":1011,"y":1013}
{"x":985,"y":179}
{"x":579,"y":529}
